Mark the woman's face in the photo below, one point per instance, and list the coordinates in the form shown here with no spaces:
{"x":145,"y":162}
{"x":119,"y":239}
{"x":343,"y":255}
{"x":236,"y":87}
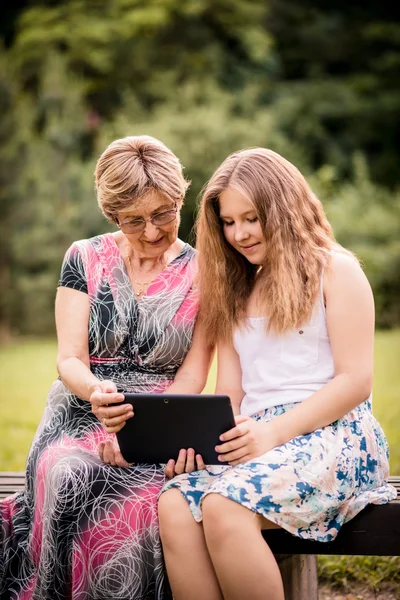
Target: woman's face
{"x":153,"y":239}
{"x":241,"y":226}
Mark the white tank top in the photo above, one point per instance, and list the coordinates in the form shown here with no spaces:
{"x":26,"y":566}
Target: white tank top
{"x":283,"y":368}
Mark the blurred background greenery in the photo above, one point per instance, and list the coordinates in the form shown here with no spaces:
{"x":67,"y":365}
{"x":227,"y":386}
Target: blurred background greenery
{"x":317,"y":81}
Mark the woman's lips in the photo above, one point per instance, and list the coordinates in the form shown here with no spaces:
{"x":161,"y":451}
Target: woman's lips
{"x":157,"y":242}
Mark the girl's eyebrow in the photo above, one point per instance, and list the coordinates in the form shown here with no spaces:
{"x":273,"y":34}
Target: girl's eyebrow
{"x":252,"y":210}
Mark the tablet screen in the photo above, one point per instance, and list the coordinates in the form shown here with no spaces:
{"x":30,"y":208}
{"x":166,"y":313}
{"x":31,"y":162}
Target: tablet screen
{"x":163,"y":424}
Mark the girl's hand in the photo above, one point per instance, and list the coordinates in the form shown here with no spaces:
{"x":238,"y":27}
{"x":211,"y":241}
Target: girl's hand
{"x":104,"y":395}
{"x":185,"y":463}
{"x":247,"y":440}
{"x":110,"y":453}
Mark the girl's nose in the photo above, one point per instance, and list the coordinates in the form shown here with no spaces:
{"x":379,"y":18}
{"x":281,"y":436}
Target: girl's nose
{"x":240,"y":233}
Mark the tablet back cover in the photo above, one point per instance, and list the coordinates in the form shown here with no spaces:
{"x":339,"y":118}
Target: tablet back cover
{"x":165,"y":423}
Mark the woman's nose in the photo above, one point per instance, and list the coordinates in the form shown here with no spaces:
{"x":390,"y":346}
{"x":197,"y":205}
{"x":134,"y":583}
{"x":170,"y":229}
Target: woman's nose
{"x":151,"y":231}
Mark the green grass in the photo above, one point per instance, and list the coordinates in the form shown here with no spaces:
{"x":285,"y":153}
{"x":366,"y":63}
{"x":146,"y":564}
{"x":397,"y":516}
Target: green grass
{"x":27,"y":369}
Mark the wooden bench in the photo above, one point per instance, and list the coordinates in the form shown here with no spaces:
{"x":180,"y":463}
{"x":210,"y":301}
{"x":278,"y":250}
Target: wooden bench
{"x":375,"y":531}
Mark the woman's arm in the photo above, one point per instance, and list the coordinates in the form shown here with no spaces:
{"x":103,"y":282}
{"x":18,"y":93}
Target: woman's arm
{"x":350,"y":323}
{"x":72,"y":321}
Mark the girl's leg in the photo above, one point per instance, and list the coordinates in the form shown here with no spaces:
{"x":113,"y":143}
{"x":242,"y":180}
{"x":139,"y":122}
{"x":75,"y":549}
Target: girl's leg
{"x":243,"y":562}
{"x":190,"y":570}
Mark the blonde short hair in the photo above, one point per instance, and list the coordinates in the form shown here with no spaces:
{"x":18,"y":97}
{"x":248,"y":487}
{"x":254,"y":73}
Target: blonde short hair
{"x":130,"y":168}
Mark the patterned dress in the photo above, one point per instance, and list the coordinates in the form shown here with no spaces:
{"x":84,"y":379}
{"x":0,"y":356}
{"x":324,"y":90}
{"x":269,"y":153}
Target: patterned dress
{"x":83,"y":529}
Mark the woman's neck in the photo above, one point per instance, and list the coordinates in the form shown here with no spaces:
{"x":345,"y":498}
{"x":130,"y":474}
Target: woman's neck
{"x":145,"y":264}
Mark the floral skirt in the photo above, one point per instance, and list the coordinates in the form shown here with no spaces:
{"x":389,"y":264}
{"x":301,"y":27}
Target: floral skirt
{"x":309,"y":486}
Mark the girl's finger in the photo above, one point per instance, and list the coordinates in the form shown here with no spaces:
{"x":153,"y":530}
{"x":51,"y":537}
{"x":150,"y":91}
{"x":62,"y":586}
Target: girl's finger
{"x":189,"y":467}
{"x":235,"y":444}
{"x":181,"y":462}
{"x":200,"y":462}
{"x":235,"y":455}
{"x":170,"y":469}
{"x":237,"y":431}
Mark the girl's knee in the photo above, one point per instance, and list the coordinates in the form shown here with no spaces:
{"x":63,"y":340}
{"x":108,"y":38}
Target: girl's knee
{"x":174,"y":515}
{"x":224,"y":519}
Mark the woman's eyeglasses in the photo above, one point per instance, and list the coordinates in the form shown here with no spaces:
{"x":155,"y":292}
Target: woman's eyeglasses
{"x":159,"y":219}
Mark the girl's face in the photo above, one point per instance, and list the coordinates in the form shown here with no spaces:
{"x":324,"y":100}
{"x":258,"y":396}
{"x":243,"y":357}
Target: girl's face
{"x":241,"y":226}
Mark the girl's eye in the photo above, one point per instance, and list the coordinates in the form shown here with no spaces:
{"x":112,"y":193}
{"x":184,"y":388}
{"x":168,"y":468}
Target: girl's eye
{"x":254,"y":220}
{"x":227,"y":223}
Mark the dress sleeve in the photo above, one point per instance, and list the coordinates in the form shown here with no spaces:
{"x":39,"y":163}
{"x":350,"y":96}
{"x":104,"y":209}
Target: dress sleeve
{"x":72,"y":271}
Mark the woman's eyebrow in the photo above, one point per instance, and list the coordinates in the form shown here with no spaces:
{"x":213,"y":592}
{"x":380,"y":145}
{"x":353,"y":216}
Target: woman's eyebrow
{"x":131,"y":217}
{"x":157,"y":210}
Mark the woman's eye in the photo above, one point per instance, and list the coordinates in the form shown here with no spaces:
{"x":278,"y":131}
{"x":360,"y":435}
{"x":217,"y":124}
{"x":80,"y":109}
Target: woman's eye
{"x":253,"y":220}
{"x":228,"y":223}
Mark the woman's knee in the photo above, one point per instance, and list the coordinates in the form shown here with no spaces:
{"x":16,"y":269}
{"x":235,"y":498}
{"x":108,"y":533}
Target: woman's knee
{"x":174,"y":516}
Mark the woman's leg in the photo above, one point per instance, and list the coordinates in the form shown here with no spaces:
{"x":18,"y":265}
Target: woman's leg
{"x":190,"y":570}
{"x":243,"y":562}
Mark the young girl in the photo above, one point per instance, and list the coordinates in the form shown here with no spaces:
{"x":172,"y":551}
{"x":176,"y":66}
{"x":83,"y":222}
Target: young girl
{"x":293,"y":315}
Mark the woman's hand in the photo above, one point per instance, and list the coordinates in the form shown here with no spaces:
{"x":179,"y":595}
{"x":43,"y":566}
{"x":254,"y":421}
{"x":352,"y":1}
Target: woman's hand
{"x":247,"y":440}
{"x":185,"y":463}
{"x":103,"y":395}
{"x":110,"y":453}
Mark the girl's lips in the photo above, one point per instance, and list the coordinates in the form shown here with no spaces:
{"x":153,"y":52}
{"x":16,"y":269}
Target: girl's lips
{"x":249,"y":248}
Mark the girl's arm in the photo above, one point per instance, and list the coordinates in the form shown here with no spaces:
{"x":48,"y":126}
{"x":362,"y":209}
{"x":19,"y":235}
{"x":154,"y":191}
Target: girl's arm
{"x":229,"y":376}
{"x":350,"y":323}
{"x":191,"y":376}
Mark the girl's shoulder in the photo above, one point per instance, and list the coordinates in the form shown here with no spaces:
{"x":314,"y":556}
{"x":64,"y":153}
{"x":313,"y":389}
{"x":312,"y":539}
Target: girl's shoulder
{"x":343,"y":271}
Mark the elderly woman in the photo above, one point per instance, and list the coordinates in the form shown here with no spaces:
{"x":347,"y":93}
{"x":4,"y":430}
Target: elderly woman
{"x":125,"y":314}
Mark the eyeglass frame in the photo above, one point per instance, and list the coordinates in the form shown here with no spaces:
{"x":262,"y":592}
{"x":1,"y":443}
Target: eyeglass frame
{"x":144,"y":221}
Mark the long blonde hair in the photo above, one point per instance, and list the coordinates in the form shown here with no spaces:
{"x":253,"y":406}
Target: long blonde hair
{"x":298,"y":236}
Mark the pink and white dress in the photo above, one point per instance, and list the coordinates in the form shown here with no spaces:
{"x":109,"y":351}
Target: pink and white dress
{"x":84,"y":530}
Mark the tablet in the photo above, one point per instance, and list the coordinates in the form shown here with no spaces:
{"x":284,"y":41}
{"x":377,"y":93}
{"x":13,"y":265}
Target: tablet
{"x":165,"y":423}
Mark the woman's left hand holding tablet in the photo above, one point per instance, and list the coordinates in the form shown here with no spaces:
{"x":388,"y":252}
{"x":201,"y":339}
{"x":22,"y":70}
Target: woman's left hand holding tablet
{"x":247,"y":440}
{"x":186,"y":462}
{"x":106,"y":405}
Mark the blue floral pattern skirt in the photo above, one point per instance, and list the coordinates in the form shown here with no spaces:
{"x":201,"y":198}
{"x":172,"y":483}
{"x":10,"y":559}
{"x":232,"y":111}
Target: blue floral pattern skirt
{"x":309,"y":486}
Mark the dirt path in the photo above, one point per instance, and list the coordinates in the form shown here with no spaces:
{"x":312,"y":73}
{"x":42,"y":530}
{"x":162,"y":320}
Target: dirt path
{"x":359,"y":593}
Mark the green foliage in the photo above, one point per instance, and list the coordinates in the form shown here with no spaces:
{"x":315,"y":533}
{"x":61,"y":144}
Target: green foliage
{"x":366,"y":219}
{"x":371,"y":570}
{"x":207,"y":78}
{"x":149,"y":47}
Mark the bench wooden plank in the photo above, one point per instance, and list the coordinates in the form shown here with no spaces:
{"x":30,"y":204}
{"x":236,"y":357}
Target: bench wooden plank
{"x":11,"y":482}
